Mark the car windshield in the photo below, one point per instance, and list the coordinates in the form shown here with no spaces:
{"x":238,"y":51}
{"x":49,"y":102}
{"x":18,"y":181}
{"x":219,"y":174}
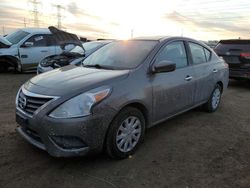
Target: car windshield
{"x":88,"y":46}
{"x":16,"y":36}
{"x":120,"y":54}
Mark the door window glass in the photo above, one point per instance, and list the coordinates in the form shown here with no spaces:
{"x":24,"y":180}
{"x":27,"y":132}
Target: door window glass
{"x":38,"y":40}
{"x":208,"y":54}
{"x":174,"y":52}
{"x":198,"y":53}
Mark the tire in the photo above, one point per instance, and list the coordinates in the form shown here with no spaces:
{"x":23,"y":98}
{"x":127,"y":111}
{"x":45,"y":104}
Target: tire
{"x":127,"y":127}
{"x":3,"y":68}
{"x":214,"y":101}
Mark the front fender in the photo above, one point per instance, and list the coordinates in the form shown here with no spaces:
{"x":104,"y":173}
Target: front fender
{"x":12,"y":61}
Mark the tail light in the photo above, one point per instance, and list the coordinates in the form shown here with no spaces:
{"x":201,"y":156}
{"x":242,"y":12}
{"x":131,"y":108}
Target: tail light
{"x":245,"y":55}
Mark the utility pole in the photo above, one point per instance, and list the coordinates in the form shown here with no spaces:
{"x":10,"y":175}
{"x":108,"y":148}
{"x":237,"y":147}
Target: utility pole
{"x":59,"y":16}
{"x":3,"y":30}
{"x":24,"y":22}
{"x":35,"y":11}
{"x":132,"y":33}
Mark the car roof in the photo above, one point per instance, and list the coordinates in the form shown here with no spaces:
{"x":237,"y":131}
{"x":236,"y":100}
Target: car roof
{"x":163,"y":38}
{"x":151,"y":38}
{"x":36,"y":30}
{"x":235,"y":41}
{"x":101,"y":41}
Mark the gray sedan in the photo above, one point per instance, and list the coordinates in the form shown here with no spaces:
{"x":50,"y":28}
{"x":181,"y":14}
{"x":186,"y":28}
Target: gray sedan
{"x":119,"y":91}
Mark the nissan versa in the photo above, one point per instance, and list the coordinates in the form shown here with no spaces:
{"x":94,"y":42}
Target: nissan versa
{"x":118,"y":92}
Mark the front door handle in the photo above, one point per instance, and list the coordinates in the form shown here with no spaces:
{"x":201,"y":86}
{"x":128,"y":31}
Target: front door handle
{"x":215,"y":70}
{"x":24,"y":56}
{"x":44,"y":51}
{"x":188,"y":78}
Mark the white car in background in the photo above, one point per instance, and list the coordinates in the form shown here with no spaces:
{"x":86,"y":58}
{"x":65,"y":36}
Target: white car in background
{"x":25,"y":48}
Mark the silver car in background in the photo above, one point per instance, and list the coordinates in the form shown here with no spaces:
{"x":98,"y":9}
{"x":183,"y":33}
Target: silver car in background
{"x":119,"y":91}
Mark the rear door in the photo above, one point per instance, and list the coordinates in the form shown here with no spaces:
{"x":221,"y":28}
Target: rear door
{"x":173,"y":92}
{"x":205,"y":71}
{"x":41,"y":47}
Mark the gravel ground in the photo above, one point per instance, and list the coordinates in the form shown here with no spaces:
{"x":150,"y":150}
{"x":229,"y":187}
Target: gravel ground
{"x":196,"y":149}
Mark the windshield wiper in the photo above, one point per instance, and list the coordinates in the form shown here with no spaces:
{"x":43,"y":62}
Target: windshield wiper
{"x":98,"y":66}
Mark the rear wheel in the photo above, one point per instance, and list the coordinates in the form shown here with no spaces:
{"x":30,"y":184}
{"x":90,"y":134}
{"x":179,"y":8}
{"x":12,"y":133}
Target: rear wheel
{"x":125,"y":134}
{"x":214,"y":100}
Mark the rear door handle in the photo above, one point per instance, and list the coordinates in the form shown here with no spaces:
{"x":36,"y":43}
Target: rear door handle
{"x":215,"y":70}
{"x":44,"y":51}
{"x":188,"y":78}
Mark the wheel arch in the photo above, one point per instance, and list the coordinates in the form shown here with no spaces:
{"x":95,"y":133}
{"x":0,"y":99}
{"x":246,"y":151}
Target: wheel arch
{"x":135,"y":104}
{"x":220,"y":83}
{"x":12,"y":61}
{"x":141,"y":107}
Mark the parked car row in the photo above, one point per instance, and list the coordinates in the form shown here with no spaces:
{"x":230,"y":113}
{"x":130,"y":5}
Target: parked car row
{"x":46,"y":49}
{"x":116,"y":93}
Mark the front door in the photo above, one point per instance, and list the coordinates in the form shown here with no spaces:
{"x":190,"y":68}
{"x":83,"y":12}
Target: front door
{"x":174,"y":91}
{"x":38,"y":49}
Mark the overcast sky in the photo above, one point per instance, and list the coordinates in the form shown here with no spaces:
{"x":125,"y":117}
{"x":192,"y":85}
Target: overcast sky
{"x":200,"y":19}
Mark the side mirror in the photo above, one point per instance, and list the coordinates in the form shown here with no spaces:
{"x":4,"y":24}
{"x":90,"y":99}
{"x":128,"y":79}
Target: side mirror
{"x":27,"y":44}
{"x":164,"y":66}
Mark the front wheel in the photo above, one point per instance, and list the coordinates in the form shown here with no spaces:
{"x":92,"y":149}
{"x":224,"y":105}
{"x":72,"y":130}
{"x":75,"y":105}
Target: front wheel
{"x":214,"y":100}
{"x":3,"y":68}
{"x":126,"y":132}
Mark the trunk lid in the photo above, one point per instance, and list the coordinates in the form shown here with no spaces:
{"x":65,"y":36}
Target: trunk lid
{"x":234,"y":52}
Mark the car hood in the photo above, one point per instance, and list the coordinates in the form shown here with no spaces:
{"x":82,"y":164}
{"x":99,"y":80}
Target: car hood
{"x":4,"y":43}
{"x":73,"y":79}
{"x":63,"y":38}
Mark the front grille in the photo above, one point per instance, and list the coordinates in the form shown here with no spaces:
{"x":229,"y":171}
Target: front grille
{"x":29,"y":104}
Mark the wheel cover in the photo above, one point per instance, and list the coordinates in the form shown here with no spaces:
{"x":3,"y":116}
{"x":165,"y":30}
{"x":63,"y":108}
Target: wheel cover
{"x":128,"y":134}
{"x":216,"y":98}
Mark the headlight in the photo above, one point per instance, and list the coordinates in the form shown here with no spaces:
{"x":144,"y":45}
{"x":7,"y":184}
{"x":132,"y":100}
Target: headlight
{"x":80,"y":105}
{"x":47,"y":62}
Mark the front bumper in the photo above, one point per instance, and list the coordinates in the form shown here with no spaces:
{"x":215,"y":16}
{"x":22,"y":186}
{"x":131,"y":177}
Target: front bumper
{"x":64,"y":137}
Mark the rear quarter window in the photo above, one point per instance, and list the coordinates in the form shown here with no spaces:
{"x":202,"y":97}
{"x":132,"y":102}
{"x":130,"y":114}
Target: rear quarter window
{"x":208,"y":54}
